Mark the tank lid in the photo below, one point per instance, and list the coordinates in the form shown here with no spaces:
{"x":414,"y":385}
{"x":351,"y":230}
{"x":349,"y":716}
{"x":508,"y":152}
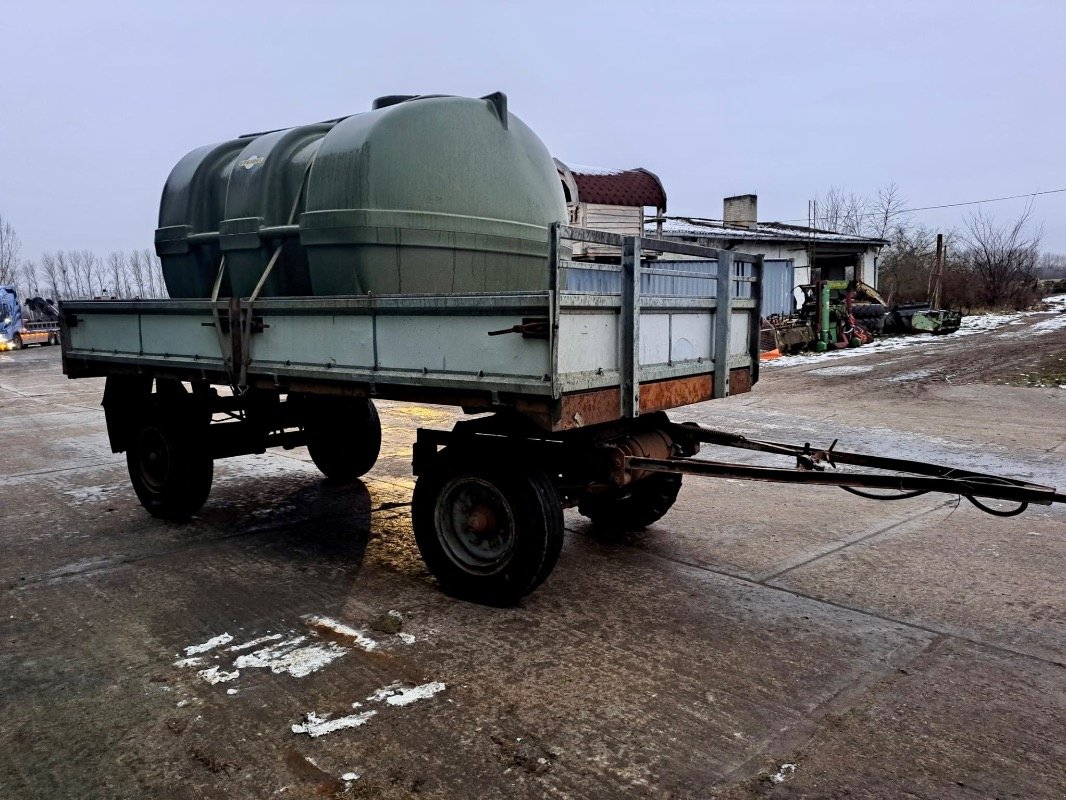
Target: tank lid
{"x":391,"y":100}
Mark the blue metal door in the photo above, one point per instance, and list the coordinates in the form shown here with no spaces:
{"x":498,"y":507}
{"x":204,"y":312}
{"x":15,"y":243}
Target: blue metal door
{"x":777,"y":285}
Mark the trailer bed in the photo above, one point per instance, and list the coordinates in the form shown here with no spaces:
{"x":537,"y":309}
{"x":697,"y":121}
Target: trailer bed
{"x":605,"y":341}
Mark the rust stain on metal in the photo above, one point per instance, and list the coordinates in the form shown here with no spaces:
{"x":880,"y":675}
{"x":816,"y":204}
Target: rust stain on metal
{"x":602,"y":405}
{"x":739,"y":380}
{"x":588,"y":408}
{"x":661,"y":395}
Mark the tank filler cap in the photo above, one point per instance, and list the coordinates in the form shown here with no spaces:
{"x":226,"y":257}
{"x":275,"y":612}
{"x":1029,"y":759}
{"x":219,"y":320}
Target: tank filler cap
{"x":498,"y":100}
{"x":390,"y":100}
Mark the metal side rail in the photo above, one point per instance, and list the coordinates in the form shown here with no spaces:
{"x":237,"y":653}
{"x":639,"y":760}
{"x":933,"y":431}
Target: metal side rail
{"x":909,"y":478}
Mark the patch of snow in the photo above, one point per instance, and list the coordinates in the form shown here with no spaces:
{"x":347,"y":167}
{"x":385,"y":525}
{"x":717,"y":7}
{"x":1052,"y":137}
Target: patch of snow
{"x":358,"y":637}
{"x":91,"y":494}
{"x":384,"y":692}
{"x":231,"y":691}
{"x":315,"y":726}
{"x":349,"y":777}
{"x":1052,"y":324}
{"x":784,"y":773}
{"x":970,"y":326}
{"x":395,"y":695}
{"x":408,"y":638}
{"x":189,"y":662}
{"x":210,"y":644}
{"x":214,"y":675}
{"x":244,"y":468}
{"x":586,"y":170}
{"x":290,"y":657}
{"x":255,"y":642}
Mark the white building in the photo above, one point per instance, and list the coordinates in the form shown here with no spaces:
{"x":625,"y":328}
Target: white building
{"x":793,"y":255}
{"x":633,"y":202}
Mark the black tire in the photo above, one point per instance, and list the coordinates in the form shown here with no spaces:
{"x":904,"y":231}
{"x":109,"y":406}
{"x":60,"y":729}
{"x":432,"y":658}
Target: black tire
{"x":875,"y":325}
{"x":635,"y":506}
{"x":343,"y":435}
{"x":868,"y":310}
{"x":16,"y":342}
{"x":169,"y":464}
{"x":489,"y":535}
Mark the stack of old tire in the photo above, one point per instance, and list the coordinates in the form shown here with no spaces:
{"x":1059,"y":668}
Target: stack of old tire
{"x":870,"y":315}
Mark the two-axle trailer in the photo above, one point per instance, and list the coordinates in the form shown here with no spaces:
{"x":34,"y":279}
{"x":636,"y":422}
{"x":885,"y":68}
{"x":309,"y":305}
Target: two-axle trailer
{"x":573,"y":382}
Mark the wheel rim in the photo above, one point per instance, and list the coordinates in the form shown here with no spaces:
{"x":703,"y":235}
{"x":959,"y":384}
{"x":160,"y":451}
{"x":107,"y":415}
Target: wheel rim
{"x":153,"y":458}
{"x":475,"y":525}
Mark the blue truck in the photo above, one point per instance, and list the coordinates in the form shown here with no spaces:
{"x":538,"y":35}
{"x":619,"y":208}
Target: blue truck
{"x":37,"y":323}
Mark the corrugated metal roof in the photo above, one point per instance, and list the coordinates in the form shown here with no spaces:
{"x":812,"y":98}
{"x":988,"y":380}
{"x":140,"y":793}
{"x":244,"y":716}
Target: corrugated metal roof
{"x":764,"y":231}
{"x":616,"y":187}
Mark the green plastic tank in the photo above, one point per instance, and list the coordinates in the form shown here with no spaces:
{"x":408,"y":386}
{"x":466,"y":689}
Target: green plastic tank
{"x":421,"y":194}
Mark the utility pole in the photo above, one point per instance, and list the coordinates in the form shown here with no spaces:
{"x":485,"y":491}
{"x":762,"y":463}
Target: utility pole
{"x":937,"y":275}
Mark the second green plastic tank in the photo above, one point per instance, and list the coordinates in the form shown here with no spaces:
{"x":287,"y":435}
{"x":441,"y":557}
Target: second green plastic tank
{"x":422,"y":194}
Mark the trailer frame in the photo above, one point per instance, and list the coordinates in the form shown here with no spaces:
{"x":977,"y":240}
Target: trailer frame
{"x":560,"y":432}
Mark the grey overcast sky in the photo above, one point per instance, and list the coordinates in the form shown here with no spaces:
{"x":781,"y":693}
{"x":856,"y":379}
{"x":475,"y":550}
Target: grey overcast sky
{"x":954,"y":101}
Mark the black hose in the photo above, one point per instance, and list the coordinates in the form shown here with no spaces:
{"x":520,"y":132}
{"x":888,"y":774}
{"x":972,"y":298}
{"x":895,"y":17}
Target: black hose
{"x":919,"y":492}
{"x":870,"y":496}
{"x":996,"y":513}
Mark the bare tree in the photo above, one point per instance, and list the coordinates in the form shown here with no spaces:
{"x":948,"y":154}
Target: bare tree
{"x":841,"y":212}
{"x":137,"y":277}
{"x":117,"y":275}
{"x":10,"y":247}
{"x":31,"y":279}
{"x":885,"y":213}
{"x":154,"y":268}
{"x":149,"y":276}
{"x":860,"y":215}
{"x":906,"y":262}
{"x":1003,"y":258}
{"x":86,"y":267}
{"x":1052,"y":265}
{"x":68,"y":275}
{"x":53,"y":280}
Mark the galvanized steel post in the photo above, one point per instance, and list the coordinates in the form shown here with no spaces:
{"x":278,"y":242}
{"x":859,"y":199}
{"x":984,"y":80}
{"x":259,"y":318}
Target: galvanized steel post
{"x":723,"y":313}
{"x":629,"y":323}
{"x":755,"y":328}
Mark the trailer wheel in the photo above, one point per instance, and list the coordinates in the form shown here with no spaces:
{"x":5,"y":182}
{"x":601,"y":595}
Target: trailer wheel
{"x":635,"y":506}
{"x":169,"y":464}
{"x":343,"y":435}
{"x":488,"y":535}
{"x":16,"y":342}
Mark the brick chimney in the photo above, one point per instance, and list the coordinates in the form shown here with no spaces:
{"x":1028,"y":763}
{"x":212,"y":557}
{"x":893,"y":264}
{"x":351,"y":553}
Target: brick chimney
{"x":741,"y":211}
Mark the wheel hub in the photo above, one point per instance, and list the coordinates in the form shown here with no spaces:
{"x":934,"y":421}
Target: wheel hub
{"x":475,"y":524}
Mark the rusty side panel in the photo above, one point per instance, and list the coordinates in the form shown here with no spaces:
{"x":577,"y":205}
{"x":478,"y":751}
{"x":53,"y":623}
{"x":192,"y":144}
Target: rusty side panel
{"x":661,"y":395}
{"x":588,"y":408}
{"x":602,"y":405}
{"x":739,"y":380}
{"x":575,"y":410}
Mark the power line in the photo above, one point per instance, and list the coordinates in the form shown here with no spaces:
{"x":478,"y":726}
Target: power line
{"x":943,"y":205}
